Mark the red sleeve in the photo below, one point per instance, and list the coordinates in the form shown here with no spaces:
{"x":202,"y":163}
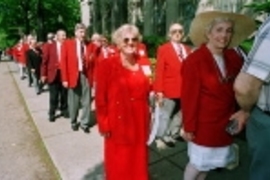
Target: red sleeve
{"x":63,"y":61}
{"x":45,"y":59}
{"x":101,"y":96}
{"x":159,"y":73}
{"x":190,"y":93}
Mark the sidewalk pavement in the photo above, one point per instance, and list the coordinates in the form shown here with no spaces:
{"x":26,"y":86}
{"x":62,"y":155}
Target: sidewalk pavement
{"x":79,"y":156}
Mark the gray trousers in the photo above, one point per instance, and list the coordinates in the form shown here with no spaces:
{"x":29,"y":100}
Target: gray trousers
{"x":80,"y":97}
{"x":172,"y":114}
{"x":258,"y":136}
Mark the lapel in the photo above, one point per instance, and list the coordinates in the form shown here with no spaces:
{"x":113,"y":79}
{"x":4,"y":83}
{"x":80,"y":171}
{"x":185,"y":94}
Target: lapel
{"x":172,"y":53}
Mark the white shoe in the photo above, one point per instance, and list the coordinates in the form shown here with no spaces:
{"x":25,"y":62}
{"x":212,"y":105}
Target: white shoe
{"x":235,"y":163}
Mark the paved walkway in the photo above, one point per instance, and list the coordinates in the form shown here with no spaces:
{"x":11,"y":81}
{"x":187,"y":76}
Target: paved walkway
{"x":78,"y":156}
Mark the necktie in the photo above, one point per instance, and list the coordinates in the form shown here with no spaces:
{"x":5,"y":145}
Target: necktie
{"x":180,"y":52}
{"x":82,"y":55}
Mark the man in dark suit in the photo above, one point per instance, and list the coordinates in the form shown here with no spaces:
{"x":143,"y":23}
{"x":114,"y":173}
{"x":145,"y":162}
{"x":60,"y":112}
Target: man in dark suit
{"x":168,"y":80}
{"x":75,"y":66}
{"x":51,"y":73}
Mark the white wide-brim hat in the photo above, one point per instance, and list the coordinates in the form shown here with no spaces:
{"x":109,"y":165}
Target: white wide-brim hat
{"x":244,"y":26}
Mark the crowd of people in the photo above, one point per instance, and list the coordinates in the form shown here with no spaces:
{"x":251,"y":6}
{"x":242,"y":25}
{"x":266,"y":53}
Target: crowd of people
{"x":200,"y":90}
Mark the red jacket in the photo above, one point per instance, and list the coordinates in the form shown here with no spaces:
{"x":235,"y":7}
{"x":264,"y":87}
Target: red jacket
{"x":207,"y":100}
{"x":50,"y":62}
{"x":69,"y":63}
{"x":141,"y":50}
{"x":121,"y":110}
{"x":168,"y":78}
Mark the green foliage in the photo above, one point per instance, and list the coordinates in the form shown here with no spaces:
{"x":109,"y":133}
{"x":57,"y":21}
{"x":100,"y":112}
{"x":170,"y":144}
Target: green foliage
{"x":152,"y":43}
{"x":259,"y":8}
{"x":19,"y":17}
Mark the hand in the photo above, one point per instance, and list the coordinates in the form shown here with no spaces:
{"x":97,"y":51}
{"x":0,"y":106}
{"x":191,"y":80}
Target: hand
{"x":241,"y":117}
{"x":106,"y":134}
{"x":43,"y":79}
{"x":65,"y":84}
{"x":159,"y":98}
{"x":188,"y":136}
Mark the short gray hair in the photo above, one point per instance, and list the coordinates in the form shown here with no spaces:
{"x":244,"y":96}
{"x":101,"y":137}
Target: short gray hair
{"x":79,"y":26}
{"x":217,"y":20}
{"x":119,"y":33}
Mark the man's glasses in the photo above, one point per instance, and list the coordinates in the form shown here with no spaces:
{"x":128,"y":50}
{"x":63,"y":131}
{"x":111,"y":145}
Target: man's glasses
{"x":180,"y":31}
{"x":127,"y":40}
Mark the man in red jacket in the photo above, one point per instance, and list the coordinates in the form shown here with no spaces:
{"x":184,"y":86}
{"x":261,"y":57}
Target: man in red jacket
{"x":167,"y":84}
{"x":51,"y":73}
{"x":75,"y":69}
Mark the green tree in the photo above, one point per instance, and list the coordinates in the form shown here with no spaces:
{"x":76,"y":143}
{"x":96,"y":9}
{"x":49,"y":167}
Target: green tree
{"x":20,"y":17}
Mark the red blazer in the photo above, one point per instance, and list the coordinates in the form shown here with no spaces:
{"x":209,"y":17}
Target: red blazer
{"x":50,"y":62}
{"x":115,"y":103}
{"x":69,"y":63}
{"x":208,"y":100}
{"x":141,"y":50}
{"x":168,"y":78}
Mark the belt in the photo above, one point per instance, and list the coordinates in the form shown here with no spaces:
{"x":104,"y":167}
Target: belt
{"x":267,"y":112}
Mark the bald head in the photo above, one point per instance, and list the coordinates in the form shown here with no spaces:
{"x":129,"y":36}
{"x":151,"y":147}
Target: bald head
{"x":61,"y":35}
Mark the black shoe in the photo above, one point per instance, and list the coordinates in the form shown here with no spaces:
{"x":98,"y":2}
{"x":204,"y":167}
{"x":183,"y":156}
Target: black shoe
{"x":179,"y":138}
{"x":168,"y":143}
{"x":52,"y":118}
{"x":65,"y":114}
{"x":85,"y":129}
{"x":75,"y":127}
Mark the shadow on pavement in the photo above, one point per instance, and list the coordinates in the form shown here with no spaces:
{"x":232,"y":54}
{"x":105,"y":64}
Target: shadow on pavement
{"x":97,"y":173}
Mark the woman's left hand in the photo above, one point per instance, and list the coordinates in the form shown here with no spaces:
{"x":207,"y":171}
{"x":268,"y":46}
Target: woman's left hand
{"x":241,"y":117}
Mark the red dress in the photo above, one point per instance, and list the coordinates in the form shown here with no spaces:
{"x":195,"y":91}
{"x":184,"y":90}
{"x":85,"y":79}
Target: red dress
{"x":122,"y":110}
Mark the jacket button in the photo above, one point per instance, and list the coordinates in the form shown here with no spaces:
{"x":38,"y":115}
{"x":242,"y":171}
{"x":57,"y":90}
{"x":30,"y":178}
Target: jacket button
{"x":132,"y":99}
{"x":119,"y":117}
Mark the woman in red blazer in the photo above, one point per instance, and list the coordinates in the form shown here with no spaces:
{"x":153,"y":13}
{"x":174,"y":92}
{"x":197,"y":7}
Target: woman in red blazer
{"x":208,"y":102}
{"x":122,"y":109}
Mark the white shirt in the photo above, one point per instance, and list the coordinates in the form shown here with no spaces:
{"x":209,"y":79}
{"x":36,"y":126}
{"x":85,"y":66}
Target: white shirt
{"x":180,"y":50}
{"x":58,"y":49}
{"x":221,"y":65}
{"x":79,"y":55}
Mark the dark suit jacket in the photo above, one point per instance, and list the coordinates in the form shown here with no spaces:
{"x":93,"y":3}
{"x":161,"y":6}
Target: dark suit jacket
{"x":50,"y":63}
{"x":34,"y":58}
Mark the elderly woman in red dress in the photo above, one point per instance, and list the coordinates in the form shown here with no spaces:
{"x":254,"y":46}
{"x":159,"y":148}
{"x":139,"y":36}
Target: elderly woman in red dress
{"x":208,"y":101}
{"x":122,"y":109}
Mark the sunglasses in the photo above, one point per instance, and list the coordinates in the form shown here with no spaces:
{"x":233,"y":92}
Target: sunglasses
{"x":180,"y":31}
{"x":127,"y":40}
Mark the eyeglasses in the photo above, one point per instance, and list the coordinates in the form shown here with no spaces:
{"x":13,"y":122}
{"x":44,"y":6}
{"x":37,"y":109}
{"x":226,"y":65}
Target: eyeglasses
{"x":180,"y":31}
{"x":127,"y":40}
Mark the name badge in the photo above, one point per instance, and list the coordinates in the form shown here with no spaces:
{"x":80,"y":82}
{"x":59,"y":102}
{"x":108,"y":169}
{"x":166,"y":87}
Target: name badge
{"x":141,"y":52}
{"x":146,"y":70}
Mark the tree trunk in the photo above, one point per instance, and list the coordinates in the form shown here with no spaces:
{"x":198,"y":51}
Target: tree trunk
{"x":96,"y":16}
{"x":148,"y":11}
{"x":172,"y":12}
{"x":40,"y":20}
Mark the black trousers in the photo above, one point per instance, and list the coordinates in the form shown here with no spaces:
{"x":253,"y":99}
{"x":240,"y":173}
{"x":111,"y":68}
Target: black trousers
{"x":58,"y":96}
{"x":29,"y":74}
